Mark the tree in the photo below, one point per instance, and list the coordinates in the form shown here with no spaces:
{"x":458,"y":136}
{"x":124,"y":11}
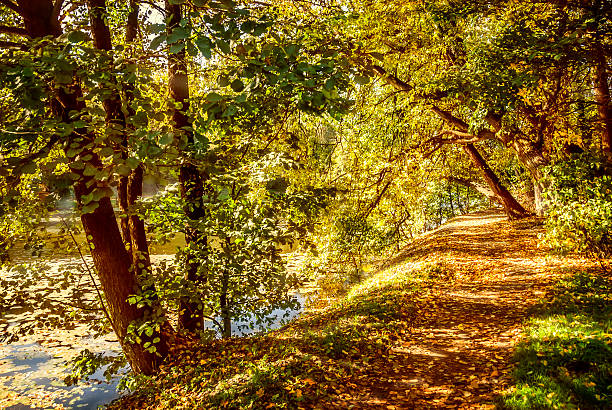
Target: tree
{"x":67,"y":111}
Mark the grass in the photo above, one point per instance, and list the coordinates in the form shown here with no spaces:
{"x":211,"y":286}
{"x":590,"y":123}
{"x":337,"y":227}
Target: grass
{"x":319,"y":360}
{"x":565,"y":360}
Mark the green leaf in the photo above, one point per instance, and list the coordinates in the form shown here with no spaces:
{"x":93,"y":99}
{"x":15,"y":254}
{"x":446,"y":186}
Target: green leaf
{"x":90,"y":207}
{"x":77,"y":36}
{"x":214,"y":97}
{"x":157,"y":41}
{"x":224,"y":46}
{"x":223,"y":81}
{"x":237,"y":85}
{"x":132,"y":162}
{"x":177,"y":48}
{"x":204,"y":45}
{"x":362,"y":79}
{"x":166,"y":139}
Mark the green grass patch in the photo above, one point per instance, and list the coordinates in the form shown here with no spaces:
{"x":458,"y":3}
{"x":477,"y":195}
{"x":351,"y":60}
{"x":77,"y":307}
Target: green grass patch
{"x":565,"y":360}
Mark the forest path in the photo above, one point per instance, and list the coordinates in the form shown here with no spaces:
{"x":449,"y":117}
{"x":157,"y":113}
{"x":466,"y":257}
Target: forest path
{"x":458,"y":352}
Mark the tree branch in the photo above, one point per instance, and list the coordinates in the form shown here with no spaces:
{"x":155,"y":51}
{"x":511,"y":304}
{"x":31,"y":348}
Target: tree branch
{"x":9,"y":44}
{"x":11,"y":5}
{"x":13,"y":30}
{"x":403,"y":86}
{"x":391,"y":79}
{"x":448,"y":117}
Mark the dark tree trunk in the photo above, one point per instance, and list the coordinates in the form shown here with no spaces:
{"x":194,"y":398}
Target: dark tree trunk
{"x":190,"y":179}
{"x":512,"y":208}
{"x":224,"y":303}
{"x":130,"y":187}
{"x":602,"y":98}
{"x":110,"y":257}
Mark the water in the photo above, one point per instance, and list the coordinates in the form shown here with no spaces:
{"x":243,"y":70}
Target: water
{"x":248,"y":326}
{"x":31,"y":377}
{"x":32,"y":370}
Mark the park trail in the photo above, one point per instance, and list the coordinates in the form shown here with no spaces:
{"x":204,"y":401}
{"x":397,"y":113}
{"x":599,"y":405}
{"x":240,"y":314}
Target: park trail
{"x":458,"y":353}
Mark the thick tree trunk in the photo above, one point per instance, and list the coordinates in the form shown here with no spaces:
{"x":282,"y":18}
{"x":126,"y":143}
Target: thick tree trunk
{"x":481,"y":188}
{"x":532,"y":158}
{"x":190,"y":179}
{"x":602,"y":98}
{"x":110,"y":257}
{"x":512,"y":208}
{"x":130,"y":187}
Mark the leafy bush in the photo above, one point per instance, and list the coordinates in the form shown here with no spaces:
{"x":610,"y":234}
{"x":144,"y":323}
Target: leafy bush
{"x":579,"y":201}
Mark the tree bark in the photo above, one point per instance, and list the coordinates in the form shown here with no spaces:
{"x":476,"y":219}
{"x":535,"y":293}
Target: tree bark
{"x":130,"y":187}
{"x":602,"y":98}
{"x":110,"y":257}
{"x":190,"y":179}
{"x":512,"y":208}
{"x":115,"y":119}
{"x":483,"y":189}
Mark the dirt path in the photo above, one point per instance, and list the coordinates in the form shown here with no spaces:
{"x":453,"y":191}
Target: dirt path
{"x":458,"y":354}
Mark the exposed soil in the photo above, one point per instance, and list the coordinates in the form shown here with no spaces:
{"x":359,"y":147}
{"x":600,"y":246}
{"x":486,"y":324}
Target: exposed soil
{"x":458,"y":352}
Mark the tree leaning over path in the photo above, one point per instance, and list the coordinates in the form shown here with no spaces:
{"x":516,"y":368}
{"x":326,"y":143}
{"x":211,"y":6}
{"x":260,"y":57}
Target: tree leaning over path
{"x":511,"y":206}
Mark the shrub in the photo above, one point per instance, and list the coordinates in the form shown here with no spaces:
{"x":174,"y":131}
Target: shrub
{"x":579,"y":202}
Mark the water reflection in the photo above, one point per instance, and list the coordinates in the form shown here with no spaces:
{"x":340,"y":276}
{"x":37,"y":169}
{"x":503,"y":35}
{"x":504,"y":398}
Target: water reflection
{"x":31,"y":374}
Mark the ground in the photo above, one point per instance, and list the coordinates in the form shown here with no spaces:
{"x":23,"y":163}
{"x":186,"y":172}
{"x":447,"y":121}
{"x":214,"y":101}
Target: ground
{"x":433,"y":327}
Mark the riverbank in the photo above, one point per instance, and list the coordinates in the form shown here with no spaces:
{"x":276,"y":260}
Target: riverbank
{"x":436,"y":326}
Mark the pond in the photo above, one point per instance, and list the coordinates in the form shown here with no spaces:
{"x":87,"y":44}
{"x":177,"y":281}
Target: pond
{"x":32,"y":370}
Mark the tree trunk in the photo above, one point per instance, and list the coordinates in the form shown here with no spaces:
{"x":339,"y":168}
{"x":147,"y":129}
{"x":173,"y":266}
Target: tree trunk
{"x":602,"y":98}
{"x":226,"y":318}
{"x":532,"y":158}
{"x":191,"y":182}
{"x":481,"y":188}
{"x":115,"y":120}
{"x":110,"y":257}
{"x":512,"y":208}
{"x":130,"y":187}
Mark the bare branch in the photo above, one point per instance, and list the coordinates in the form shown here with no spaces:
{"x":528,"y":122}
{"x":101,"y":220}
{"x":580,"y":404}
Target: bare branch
{"x":13,"y":44}
{"x":13,"y":30}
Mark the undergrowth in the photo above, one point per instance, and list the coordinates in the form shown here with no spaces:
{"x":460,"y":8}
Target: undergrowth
{"x":318,"y":360}
{"x":565,"y":360}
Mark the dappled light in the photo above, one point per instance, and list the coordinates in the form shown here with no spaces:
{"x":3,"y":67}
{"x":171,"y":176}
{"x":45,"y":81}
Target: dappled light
{"x":326,"y":204}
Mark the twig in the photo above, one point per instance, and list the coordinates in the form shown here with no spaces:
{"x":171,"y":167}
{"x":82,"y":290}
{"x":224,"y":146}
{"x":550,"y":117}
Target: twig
{"x":89,"y":272}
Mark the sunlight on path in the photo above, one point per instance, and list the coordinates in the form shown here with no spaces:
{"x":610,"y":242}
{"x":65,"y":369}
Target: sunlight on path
{"x":459,"y":350}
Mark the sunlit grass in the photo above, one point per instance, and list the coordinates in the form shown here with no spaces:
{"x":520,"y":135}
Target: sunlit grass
{"x":565,"y":360}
